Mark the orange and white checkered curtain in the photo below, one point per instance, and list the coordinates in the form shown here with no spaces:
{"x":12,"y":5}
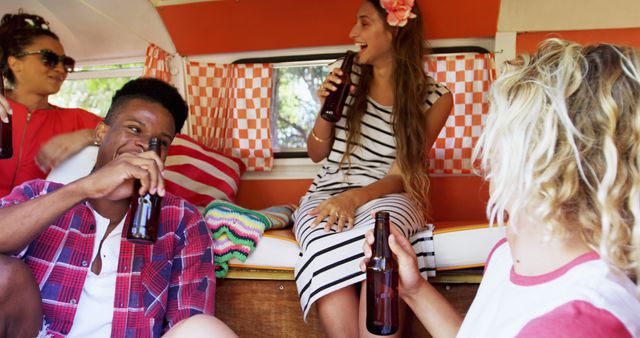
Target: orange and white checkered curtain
{"x":156,"y":64}
{"x":468,"y":77}
{"x":229,"y":108}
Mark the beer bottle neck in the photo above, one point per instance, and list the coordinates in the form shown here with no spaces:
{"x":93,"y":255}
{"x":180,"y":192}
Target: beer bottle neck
{"x":381,"y":248}
{"x":154,"y":145}
{"x":347,"y":63}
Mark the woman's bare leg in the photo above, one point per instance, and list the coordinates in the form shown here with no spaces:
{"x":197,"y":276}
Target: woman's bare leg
{"x":338,"y":312}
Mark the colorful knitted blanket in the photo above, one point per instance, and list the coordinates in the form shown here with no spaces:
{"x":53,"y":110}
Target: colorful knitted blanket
{"x":236,"y":231}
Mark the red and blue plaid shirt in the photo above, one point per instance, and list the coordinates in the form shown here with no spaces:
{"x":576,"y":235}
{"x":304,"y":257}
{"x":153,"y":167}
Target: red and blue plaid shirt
{"x":156,"y":285}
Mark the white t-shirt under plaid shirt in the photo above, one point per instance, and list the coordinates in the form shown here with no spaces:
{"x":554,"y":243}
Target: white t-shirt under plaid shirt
{"x":584,"y":298}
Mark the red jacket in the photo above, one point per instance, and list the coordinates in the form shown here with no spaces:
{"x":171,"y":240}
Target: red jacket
{"x":29,"y":136}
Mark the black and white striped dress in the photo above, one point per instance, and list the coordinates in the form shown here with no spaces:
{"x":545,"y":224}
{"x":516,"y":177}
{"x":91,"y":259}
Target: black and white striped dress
{"x":330,"y":261}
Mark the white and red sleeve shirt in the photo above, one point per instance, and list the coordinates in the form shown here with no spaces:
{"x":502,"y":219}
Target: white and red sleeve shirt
{"x":584,"y":298}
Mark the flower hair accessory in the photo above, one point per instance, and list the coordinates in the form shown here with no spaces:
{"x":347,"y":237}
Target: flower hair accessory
{"x":31,"y":23}
{"x":398,"y":11}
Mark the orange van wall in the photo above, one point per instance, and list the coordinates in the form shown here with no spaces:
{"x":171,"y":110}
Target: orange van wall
{"x":528,"y":42}
{"x":228,"y":26}
{"x":453,"y":198}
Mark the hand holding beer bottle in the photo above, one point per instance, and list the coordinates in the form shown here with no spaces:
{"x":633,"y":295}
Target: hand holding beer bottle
{"x":6,"y":142}
{"x":410,"y":279}
{"x":334,"y":103}
{"x":144,"y":213}
{"x":382,"y":282}
{"x":428,"y":305}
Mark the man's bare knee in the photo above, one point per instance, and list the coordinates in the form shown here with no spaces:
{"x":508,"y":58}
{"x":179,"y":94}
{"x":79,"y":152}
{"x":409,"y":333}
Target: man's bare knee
{"x":201,"y":326}
{"x":13,"y":275}
{"x":20,"y":304}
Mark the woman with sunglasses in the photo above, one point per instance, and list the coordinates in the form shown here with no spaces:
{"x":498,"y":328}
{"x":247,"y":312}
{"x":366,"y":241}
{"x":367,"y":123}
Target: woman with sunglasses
{"x":34,"y":67}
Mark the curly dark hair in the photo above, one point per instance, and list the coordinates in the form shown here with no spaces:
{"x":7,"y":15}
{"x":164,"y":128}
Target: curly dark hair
{"x":151,"y":90}
{"x":17,"y":32}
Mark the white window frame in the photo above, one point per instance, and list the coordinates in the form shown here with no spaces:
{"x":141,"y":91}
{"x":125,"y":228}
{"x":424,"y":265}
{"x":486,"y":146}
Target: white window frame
{"x":107,"y":73}
{"x":291,"y":64}
{"x":91,"y":74}
{"x":304,"y":168}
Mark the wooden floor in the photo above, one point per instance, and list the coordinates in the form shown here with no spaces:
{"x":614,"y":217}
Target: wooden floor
{"x":270,"y":308}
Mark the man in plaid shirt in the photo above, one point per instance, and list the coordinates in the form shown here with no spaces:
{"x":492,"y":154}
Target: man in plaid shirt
{"x":89,"y":280}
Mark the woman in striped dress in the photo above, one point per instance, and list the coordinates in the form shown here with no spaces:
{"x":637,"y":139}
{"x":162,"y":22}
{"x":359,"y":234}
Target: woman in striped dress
{"x":376,"y":159}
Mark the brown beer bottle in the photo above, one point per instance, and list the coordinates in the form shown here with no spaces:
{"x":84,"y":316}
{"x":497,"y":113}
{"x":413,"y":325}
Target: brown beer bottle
{"x":6,"y":144}
{"x":144,"y":213}
{"x":334,"y":103}
{"x":382,"y":282}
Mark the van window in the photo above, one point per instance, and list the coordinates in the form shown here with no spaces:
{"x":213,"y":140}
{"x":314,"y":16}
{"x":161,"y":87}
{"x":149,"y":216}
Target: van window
{"x":294,"y":104}
{"x":91,"y":87}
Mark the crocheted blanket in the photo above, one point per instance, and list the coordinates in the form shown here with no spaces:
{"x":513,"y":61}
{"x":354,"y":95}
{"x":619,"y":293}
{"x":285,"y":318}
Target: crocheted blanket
{"x":236,"y":231}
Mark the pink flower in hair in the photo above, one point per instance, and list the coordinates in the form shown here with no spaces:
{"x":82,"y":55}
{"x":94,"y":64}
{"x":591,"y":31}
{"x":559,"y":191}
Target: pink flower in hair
{"x":398,"y":11}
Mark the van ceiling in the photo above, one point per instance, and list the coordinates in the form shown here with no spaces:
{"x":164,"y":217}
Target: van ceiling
{"x":101,"y":31}
{"x":159,"y":3}
{"x":231,"y":26}
{"x":553,"y":15}
{"x":92,"y":31}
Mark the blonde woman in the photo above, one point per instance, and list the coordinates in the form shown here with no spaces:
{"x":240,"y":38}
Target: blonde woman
{"x":561,"y":150}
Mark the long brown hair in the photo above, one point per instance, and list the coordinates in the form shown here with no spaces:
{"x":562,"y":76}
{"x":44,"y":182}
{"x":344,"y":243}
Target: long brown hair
{"x":408,"y":115}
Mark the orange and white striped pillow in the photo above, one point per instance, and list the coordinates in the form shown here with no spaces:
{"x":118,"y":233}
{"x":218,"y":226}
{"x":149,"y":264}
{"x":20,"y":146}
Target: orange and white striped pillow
{"x":200,"y":174}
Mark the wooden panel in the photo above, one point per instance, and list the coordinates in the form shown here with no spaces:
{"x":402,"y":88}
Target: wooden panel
{"x":459,"y":295}
{"x":248,"y":25}
{"x":263,"y":308}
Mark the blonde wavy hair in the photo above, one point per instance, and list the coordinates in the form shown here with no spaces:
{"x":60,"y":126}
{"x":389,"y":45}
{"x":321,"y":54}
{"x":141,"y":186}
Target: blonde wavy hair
{"x":562,"y":144}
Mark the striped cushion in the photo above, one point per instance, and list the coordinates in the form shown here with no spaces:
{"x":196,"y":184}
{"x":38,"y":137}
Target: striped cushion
{"x":199,"y":174}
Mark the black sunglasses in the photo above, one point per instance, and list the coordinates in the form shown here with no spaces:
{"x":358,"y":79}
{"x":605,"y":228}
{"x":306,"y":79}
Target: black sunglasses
{"x":51,"y":59}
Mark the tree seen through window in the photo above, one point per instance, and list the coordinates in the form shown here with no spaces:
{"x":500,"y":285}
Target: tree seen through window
{"x":296,"y":105}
